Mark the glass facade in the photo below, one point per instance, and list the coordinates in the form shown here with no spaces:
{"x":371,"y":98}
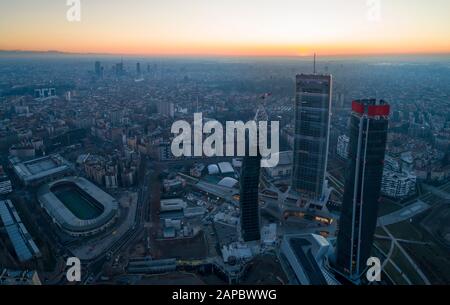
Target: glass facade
{"x":249,"y":201}
{"x":249,"y":187}
{"x":368,"y":137}
{"x":312,"y":125}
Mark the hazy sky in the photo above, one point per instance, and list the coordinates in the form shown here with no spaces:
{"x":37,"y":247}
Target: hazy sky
{"x":227,"y":27}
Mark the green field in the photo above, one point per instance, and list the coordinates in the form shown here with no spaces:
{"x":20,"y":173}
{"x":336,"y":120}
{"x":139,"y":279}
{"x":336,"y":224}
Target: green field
{"x":387,"y":207}
{"x":78,"y":204}
{"x":432,"y":258}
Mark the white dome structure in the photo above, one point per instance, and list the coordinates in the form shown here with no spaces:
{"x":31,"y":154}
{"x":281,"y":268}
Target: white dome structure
{"x":213,"y":169}
{"x":228,"y":182}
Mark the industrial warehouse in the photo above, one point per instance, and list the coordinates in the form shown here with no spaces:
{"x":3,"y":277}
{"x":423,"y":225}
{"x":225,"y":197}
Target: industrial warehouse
{"x":77,"y":206}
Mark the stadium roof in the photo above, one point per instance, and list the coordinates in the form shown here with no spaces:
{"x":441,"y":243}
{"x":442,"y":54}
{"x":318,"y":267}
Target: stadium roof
{"x":39,"y":168}
{"x":226,"y":167}
{"x":65,"y":217}
{"x":217,"y":190}
{"x":228,"y":182}
{"x":213,"y":169}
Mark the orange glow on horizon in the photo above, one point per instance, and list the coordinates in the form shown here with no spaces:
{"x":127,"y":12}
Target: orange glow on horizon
{"x":227,"y":27}
{"x":241,"y":50}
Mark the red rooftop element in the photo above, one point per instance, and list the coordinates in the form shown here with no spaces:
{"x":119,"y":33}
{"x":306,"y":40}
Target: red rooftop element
{"x":372,"y":110}
{"x":381,"y":110}
{"x":358,"y":107}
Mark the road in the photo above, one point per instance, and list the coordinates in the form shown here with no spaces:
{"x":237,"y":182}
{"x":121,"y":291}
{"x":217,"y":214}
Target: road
{"x":437,"y":191}
{"x":403,"y":214}
{"x":338,"y":185}
{"x":405,"y":241}
{"x":396,"y":267}
{"x":144,"y":197}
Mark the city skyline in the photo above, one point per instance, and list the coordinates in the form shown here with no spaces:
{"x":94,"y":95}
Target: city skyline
{"x":211,"y":142}
{"x":80,"y":134}
{"x":233,"y":28}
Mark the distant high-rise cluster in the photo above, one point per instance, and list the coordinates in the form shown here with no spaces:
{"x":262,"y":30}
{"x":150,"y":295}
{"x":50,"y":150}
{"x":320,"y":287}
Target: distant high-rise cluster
{"x":138,"y":69}
{"x":98,"y":69}
{"x":166,"y":108}
{"x":119,"y":69}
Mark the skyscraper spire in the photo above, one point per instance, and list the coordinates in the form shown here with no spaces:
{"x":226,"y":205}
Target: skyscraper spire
{"x":249,"y":184}
{"x":261,"y":114}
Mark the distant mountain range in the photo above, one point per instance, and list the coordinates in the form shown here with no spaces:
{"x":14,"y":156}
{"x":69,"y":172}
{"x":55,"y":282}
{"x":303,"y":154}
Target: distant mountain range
{"x":31,"y":52}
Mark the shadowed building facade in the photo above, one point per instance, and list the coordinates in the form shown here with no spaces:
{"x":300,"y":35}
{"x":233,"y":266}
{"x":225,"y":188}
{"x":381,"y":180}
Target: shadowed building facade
{"x":368,"y":137}
{"x":249,"y":203}
{"x":249,"y":187}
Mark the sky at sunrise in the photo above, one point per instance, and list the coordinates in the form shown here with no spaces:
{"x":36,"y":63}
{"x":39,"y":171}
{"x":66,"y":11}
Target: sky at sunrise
{"x":228,"y":27}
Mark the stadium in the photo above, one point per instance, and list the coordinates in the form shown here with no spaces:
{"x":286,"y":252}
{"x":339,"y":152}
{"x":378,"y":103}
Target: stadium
{"x":78,"y":207}
{"x":40,"y":170}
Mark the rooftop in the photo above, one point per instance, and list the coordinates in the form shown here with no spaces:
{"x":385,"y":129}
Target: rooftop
{"x":21,"y":240}
{"x":306,"y":254}
{"x":39,"y":168}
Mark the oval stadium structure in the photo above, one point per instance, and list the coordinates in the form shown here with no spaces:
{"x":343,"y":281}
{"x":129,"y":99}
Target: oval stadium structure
{"x":77,"y":206}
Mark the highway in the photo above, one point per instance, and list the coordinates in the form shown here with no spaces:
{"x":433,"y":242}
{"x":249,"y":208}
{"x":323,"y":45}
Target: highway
{"x":338,"y":185}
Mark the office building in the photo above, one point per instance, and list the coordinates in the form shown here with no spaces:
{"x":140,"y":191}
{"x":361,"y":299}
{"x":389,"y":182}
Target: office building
{"x":98,"y":69}
{"x":311,"y":134}
{"x":342,"y":146}
{"x":368,"y":136}
{"x":249,"y":190}
{"x":399,"y":181}
{"x":43,"y":94}
{"x":119,"y":69}
{"x":166,"y":108}
{"x":249,"y":203}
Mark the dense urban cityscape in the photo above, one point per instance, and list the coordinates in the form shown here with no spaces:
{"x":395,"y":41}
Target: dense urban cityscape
{"x":212,"y":151}
{"x":88,"y":172}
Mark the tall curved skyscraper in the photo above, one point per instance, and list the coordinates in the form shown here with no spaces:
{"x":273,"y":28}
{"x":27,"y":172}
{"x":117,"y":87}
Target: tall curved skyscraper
{"x":367,"y":147}
{"x":249,"y":188}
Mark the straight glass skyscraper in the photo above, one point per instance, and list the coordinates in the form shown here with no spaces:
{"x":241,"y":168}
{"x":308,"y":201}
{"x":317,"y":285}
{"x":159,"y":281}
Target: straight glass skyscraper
{"x":312,"y":125}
